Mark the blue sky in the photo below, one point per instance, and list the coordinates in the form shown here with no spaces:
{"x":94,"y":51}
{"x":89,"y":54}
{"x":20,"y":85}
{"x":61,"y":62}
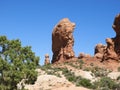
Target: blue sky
{"x":32,"y":21}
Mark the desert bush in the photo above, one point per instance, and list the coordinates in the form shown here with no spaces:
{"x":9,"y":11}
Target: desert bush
{"x":118,"y":69}
{"x":85,"y":83}
{"x":99,"y":72}
{"x":78,"y":80}
{"x":106,"y":83}
{"x":80,"y":61}
{"x":69,"y":75}
{"x":50,"y":70}
{"x":87,"y":69}
{"x":118,"y":78}
{"x":46,"y":67}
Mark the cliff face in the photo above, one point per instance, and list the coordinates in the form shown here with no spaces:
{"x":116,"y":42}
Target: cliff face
{"x":63,"y":41}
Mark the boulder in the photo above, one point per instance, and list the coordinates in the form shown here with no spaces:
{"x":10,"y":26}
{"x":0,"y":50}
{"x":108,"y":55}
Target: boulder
{"x":63,"y":41}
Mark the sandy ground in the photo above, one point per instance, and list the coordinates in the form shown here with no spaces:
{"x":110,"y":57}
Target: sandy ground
{"x":72,"y":88}
{"x":51,"y":82}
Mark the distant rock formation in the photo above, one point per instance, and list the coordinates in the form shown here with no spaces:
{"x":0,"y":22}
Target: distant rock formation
{"x":47,"y":60}
{"x":63,"y":41}
{"x":83,"y":55}
{"x":99,"y":51}
{"x":112,"y":50}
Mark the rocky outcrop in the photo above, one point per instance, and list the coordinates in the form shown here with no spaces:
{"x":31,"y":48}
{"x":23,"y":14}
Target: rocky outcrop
{"x":112,"y":50}
{"x":83,"y":55}
{"x":113,"y":44}
{"x":47,"y":60}
{"x":116,"y":25}
{"x":99,"y":50}
{"x":63,"y":41}
{"x":116,"y":40}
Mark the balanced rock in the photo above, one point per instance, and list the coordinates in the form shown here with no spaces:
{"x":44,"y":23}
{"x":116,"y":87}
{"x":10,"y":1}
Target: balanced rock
{"x":63,"y":41}
{"x":47,"y":60}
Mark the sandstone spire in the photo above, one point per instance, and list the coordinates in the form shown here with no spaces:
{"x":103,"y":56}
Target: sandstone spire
{"x":63,"y":41}
{"x":47,"y":60}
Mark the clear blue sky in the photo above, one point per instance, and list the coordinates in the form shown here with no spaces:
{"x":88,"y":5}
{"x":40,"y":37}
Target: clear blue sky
{"x":32,"y":21}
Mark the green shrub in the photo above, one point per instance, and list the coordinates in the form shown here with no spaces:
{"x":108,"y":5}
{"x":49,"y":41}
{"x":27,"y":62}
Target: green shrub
{"x":69,"y":75}
{"x":16,"y":63}
{"x":118,"y":78}
{"x":87,"y":69}
{"x":81,"y":61}
{"x":46,"y":67}
{"x":99,"y":72}
{"x":106,"y":83}
{"x":118,"y":69}
{"x":85,"y":82}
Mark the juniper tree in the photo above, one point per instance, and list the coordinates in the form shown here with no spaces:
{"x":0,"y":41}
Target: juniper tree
{"x":16,"y":63}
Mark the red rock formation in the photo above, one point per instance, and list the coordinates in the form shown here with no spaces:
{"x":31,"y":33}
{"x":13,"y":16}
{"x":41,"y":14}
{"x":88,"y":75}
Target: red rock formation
{"x":47,"y":60}
{"x":116,"y":27}
{"x":113,"y":44}
{"x":110,"y":51}
{"x":82,"y":55}
{"x":99,"y":51}
{"x":63,"y":41}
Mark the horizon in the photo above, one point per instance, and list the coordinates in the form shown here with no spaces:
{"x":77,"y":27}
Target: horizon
{"x":33,"y":21}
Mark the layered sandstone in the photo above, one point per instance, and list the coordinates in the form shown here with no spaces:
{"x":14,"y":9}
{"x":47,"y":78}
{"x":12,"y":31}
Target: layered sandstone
{"x":63,"y":41}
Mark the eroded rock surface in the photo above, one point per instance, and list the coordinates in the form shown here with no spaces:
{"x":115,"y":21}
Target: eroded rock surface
{"x":113,"y":44}
{"x":63,"y":41}
{"x":99,"y":51}
{"x":112,"y":50}
{"x":116,"y":40}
